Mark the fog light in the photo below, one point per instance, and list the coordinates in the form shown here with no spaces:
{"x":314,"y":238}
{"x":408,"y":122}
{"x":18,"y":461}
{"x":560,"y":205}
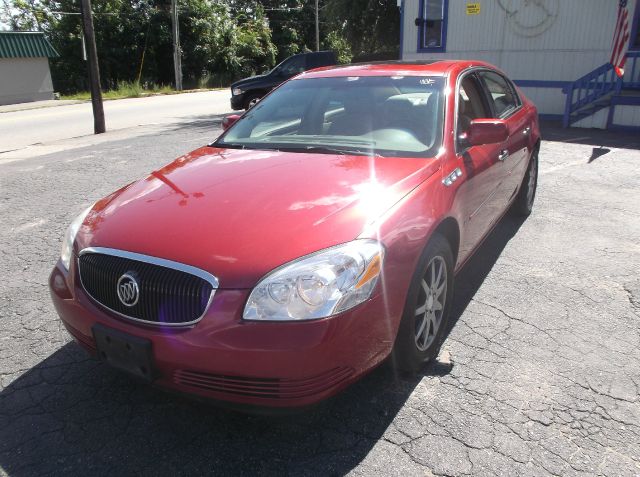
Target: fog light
{"x":59,"y":285}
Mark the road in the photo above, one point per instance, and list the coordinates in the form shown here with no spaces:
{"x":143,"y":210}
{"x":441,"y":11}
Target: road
{"x":23,"y":128}
{"x":539,"y":374}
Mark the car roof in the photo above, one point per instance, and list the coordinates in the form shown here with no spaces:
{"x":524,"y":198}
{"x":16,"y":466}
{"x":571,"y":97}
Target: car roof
{"x":310,"y":53}
{"x":392,"y":68}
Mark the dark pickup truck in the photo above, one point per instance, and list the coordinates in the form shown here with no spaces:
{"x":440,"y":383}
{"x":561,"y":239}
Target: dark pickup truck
{"x":246,"y":92}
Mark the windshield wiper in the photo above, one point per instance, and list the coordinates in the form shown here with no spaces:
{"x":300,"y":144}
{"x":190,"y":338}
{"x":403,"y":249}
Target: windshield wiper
{"x":227,"y":145}
{"x":296,"y":148}
{"x":329,"y":150}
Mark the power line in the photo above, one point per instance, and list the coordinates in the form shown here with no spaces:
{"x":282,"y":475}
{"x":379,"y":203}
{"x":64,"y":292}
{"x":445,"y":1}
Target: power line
{"x":78,"y":13}
{"x":287,"y":9}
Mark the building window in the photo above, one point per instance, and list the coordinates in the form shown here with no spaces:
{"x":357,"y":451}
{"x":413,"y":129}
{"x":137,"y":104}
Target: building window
{"x":432,"y":25}
{"x":635,"y":29}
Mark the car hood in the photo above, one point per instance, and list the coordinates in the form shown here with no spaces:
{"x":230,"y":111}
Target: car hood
{"x":241,"y":213}
{"x":250,"y":81}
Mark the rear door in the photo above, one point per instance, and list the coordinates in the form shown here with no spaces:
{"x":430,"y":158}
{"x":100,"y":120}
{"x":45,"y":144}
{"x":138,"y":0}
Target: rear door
{"x":481,"y":168}
{"x":506,"y":105}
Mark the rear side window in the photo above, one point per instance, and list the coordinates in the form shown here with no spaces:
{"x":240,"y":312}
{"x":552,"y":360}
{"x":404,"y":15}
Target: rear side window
{"x":318,"y":60}
{"x":294,"y":65}
{"x":501,"y":93}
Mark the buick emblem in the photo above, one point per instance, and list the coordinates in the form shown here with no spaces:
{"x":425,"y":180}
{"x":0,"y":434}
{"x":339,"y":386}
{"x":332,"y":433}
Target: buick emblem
{"x":128,"y":291}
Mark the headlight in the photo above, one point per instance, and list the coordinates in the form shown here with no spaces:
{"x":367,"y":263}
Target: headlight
{"x":318,"y":285}
{"x":70,"y":237}
{"x":236,"y":91}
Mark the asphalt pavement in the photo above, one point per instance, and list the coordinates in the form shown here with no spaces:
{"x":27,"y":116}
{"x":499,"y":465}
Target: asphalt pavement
{"x":19,"y":129}
{"x":539,"y":374}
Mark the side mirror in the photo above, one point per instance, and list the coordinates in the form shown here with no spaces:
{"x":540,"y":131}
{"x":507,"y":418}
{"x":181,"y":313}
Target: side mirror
{"x":229,"y":121}
{"x":487,"y":131}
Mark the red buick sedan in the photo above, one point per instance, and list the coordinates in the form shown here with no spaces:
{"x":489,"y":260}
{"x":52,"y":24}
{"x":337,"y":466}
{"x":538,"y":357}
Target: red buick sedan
{"x":317,"y":236}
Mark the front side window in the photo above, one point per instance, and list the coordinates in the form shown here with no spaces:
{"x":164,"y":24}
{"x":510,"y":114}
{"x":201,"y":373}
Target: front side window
{"x":501,"y":94}
{"x":470,"y":104}
{"x":398,"y":116}
{"x":432,"y":23}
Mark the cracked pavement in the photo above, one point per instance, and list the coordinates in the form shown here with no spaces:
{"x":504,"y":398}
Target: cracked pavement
{"x":539,"y":375}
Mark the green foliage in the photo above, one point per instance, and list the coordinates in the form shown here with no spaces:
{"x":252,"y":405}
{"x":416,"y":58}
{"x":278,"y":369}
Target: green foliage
{"x":28,"y":15}
{"x":336,"y":42}
{"x":125,"y":89}
{"x":368,"y":26}
{"x":221,"y":40}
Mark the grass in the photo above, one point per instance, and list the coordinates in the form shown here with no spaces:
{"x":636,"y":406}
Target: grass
{"x":125,"y":89}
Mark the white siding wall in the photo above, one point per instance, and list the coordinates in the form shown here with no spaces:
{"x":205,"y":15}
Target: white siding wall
{"x":577,"y":40}
{"x":597,"y":120}
{"x":626,"y":115}
{"x":24,"y":80}
{"x":547,"y":100}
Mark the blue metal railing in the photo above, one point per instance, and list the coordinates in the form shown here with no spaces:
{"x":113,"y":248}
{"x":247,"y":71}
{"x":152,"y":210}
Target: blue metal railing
{"x":632,"y":70}
{"x":589,"y":88}
{"x":598,"y":83}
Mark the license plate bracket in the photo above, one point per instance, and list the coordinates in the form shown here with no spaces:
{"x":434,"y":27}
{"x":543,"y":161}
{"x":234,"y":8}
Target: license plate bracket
{"x":125,"y":352}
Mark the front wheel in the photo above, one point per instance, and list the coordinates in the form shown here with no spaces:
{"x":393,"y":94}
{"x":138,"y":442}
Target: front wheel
{"x":426,"y":314}
{"x":251,"y":101}
{"x":523,"y":204}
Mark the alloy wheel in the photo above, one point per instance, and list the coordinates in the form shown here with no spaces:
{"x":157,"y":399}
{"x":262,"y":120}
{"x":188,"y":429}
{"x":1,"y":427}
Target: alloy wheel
{"x":431,"y":303}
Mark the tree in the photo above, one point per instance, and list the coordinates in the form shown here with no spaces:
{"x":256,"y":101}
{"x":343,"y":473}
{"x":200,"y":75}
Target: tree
{"x":368,"y":26}
{"x":214,"y":43}
{"x":26,"y":15}
{"x":221,"y":40}
{"x":335,"y":42}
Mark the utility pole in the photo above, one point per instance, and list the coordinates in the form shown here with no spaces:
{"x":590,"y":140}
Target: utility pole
{"x":175,"y":31}
{"x":94,"y":70}
{"x":317,"y":29}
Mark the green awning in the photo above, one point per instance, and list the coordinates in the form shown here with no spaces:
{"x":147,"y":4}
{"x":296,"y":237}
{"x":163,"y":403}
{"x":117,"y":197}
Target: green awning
{"x":25,"y":44}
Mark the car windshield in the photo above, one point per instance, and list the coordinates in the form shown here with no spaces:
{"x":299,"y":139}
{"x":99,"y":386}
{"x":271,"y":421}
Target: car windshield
{"x":386,"y":116}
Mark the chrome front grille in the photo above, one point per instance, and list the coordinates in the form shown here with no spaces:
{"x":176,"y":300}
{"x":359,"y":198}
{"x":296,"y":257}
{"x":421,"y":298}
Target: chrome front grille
{"x":169,"y":293}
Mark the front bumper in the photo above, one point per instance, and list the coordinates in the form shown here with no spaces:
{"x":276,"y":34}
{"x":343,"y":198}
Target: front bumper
{"x":225,"y":358}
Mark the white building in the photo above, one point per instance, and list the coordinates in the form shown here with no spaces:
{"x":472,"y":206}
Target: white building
{"x":557,"y":51}
{"x":24,"y":67}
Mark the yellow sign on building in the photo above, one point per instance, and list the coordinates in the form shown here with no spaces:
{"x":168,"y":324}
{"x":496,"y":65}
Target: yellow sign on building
{"x":473,"y":8}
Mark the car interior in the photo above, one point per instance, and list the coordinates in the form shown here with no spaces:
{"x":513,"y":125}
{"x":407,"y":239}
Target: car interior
{"x":385,"y":117}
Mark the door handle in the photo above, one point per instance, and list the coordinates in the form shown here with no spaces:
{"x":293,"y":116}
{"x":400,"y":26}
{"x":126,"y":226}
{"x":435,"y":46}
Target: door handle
{"x":503,"y":155}
{"x":451,"y":178}
{"x":526,"y":130}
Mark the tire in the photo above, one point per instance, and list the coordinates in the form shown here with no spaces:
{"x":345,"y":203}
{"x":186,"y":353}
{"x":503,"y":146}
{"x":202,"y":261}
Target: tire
{"x":523,"y":205}
{"x":412,"y":350}
{"x":251,"y":100}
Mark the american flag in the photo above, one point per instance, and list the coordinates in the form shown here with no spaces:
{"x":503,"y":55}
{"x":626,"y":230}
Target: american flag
{"x":620,"y":39}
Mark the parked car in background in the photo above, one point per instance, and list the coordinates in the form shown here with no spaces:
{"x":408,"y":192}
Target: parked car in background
{"x":246,"y":92}
{"x":317,"y":236}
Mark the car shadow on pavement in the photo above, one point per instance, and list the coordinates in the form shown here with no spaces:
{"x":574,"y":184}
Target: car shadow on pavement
{"x":73,"y":415}
{"x":601,"y":138}
{"x":211,"y":122}
{"x":472,"y":275}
